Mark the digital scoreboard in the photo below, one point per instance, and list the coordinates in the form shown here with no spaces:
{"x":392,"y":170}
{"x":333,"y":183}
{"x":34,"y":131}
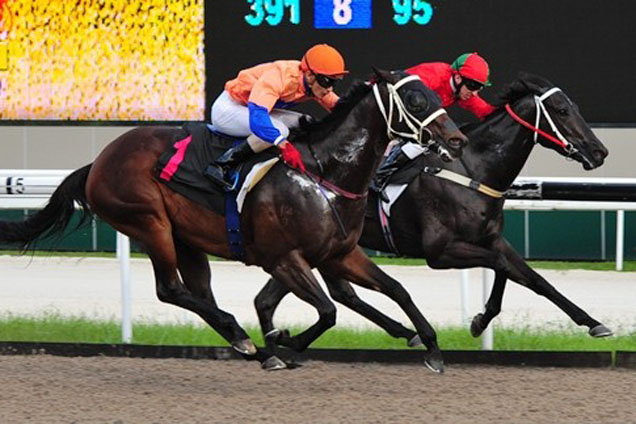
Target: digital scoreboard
{"x":336,"y":14}
{"x":584,"y":47}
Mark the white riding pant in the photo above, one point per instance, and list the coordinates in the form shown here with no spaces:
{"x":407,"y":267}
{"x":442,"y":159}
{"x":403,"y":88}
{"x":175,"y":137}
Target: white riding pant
{"x":233,"y":118}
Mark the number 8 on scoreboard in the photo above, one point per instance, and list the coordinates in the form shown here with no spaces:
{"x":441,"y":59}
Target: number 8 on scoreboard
{"x":336,"y":14}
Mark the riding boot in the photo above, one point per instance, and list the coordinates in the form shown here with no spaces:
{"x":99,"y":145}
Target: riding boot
{"x":389,"y":165}
{"x":217,"y":171}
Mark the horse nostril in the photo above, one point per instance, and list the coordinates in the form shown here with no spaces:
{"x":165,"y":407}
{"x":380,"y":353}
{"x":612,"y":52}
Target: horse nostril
{"x":457,"y":143}
{"x":599,"y":155}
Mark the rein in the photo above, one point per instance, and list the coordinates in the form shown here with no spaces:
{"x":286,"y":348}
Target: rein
{"x":561,"y":141}
{"x":332,"y":187}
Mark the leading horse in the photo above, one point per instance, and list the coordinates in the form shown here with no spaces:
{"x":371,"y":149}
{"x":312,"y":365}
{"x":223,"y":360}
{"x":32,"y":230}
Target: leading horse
{"x":454,"y":225}
{"x":290,"y":223}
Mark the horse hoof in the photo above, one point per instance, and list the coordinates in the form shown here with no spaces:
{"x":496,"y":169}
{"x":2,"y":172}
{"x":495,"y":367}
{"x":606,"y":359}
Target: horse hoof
{"x":272,"y":335}
{"x":246,"y":347}
{"x":434,"y":362}
{"x":277,"y":337}
{"x":600,"y":331}
{"x":476,"y":327}
{"x":415,"y":341}
{"x":273,"y":364}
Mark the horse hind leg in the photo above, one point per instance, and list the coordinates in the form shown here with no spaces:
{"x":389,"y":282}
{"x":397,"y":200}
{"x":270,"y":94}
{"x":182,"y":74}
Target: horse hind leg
{"x":194,"y":269}
{"x":160,"y":245}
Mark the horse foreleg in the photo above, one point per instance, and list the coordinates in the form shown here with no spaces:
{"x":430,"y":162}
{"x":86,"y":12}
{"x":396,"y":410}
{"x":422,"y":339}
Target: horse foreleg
{"x":359,"y":269}
{"x":521,"y":273}
{"x":265,"y":303}
{"x":294,"y":272}
{"x":342,"y":292}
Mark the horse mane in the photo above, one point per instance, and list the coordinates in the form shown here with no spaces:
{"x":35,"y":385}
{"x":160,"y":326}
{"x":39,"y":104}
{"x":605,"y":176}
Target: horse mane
{"x":312,"y":130}
{"x":525,"y":84}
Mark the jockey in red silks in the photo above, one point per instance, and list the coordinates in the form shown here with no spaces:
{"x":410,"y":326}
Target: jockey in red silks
{"x":459,"y":82}
{"x":254,"y":104}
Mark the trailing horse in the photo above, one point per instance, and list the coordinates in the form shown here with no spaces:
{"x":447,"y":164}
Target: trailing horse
{"x":457,"y":222}
{"x":290,"y":223}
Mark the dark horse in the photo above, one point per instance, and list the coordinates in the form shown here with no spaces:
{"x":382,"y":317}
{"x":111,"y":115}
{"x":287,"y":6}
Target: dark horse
{"x":290,"y":224}
{"x":454,"y":226}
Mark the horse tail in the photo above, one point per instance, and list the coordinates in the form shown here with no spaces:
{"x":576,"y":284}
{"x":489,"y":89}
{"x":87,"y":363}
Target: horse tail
{"x":55,"y":216}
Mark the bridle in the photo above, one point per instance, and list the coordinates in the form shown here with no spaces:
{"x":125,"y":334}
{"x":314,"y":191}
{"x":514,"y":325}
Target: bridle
{"x":559,"y":140}
{"x":416,"y":126}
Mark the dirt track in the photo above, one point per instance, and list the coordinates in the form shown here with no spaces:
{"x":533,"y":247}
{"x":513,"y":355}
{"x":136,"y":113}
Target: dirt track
{"x":48,"y":389}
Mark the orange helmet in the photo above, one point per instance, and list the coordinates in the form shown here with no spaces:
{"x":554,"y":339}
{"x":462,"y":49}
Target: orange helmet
{"x":323,"y":59}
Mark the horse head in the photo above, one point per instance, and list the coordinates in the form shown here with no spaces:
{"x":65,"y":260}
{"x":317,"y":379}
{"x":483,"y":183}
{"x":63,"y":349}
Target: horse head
{"x":415,"y":112}
{"x":555,"y":120}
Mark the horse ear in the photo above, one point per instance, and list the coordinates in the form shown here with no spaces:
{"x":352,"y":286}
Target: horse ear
{"x":382,"y":75}
{"x":533,"y":83}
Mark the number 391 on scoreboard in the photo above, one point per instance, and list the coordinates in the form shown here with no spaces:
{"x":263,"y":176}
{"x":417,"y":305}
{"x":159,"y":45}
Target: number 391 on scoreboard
{"x":337,"y":14}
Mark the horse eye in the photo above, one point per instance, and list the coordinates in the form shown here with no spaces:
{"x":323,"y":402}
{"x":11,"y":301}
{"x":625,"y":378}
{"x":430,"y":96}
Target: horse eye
{"x":563,"y":112}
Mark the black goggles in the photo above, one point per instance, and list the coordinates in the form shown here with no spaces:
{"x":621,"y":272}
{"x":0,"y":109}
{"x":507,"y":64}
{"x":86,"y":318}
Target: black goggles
{"x":473,"y":85}
{"x":326,"y":82}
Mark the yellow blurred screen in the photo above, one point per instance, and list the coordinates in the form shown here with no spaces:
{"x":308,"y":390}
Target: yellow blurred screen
{"x":130,"y":60}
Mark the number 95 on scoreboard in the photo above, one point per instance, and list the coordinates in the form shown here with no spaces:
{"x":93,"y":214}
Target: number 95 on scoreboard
{"x":337,"y":14}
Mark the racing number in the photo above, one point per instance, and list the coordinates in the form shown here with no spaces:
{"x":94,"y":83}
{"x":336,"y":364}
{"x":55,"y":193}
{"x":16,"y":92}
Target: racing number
{"x":342,"y":13}
{"x":14,"y":185}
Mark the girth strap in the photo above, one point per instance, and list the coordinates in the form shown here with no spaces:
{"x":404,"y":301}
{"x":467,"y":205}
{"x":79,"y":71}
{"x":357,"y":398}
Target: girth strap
{"x":463,"y":180}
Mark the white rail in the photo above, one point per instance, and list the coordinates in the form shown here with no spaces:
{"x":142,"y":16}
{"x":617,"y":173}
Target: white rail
{"x":31,"y":189}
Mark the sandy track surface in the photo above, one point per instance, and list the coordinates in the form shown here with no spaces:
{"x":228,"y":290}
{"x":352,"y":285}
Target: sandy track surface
{"x":48,"y":389}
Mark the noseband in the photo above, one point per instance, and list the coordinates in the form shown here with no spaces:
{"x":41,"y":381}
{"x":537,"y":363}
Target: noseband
{"x":395,"y":102}
{"x":560,"y":140}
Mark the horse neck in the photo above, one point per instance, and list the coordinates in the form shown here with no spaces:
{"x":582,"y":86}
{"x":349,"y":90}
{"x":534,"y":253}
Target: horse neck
{"x":352,"y":151}
{"x":497,"y":151}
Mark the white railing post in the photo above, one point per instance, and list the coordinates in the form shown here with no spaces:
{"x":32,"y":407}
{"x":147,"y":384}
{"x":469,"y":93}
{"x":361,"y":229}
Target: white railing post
{"x":488,"y":336}
{"x":465,"y":296}
{"x":123,"y":254}
{"x":620,"y":234}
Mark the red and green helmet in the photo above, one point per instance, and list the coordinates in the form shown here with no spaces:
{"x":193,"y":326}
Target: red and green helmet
{"x":472,"y":66}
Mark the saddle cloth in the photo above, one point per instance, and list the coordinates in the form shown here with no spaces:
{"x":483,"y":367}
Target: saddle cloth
{"x":181,"y":166}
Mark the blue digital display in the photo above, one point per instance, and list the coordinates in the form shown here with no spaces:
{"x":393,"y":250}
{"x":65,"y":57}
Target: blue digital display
{"x":342,"y":14}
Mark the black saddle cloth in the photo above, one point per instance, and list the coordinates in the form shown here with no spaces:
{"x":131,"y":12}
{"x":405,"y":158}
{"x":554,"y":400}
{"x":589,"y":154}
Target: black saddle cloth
{"x":181,"y":167}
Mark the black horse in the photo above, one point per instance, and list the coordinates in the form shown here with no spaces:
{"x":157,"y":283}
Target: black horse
{"x":455,"y":226}
{"x":290,"y":223}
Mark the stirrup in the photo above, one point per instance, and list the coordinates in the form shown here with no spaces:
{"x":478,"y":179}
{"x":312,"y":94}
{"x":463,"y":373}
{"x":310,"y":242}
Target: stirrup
{"x":380,"y":191}
{"x":216,"y":174}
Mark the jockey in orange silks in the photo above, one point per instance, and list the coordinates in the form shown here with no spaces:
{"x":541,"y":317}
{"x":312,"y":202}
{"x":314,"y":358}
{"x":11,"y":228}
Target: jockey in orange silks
{"x":255,"y":103}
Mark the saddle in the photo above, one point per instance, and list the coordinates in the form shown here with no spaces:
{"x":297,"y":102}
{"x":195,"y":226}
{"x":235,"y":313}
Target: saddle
{"x":181,"y":166}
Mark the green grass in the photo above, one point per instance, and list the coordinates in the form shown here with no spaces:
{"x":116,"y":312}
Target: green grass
{"x":55,"y":328}
{"x":628,"y":266}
